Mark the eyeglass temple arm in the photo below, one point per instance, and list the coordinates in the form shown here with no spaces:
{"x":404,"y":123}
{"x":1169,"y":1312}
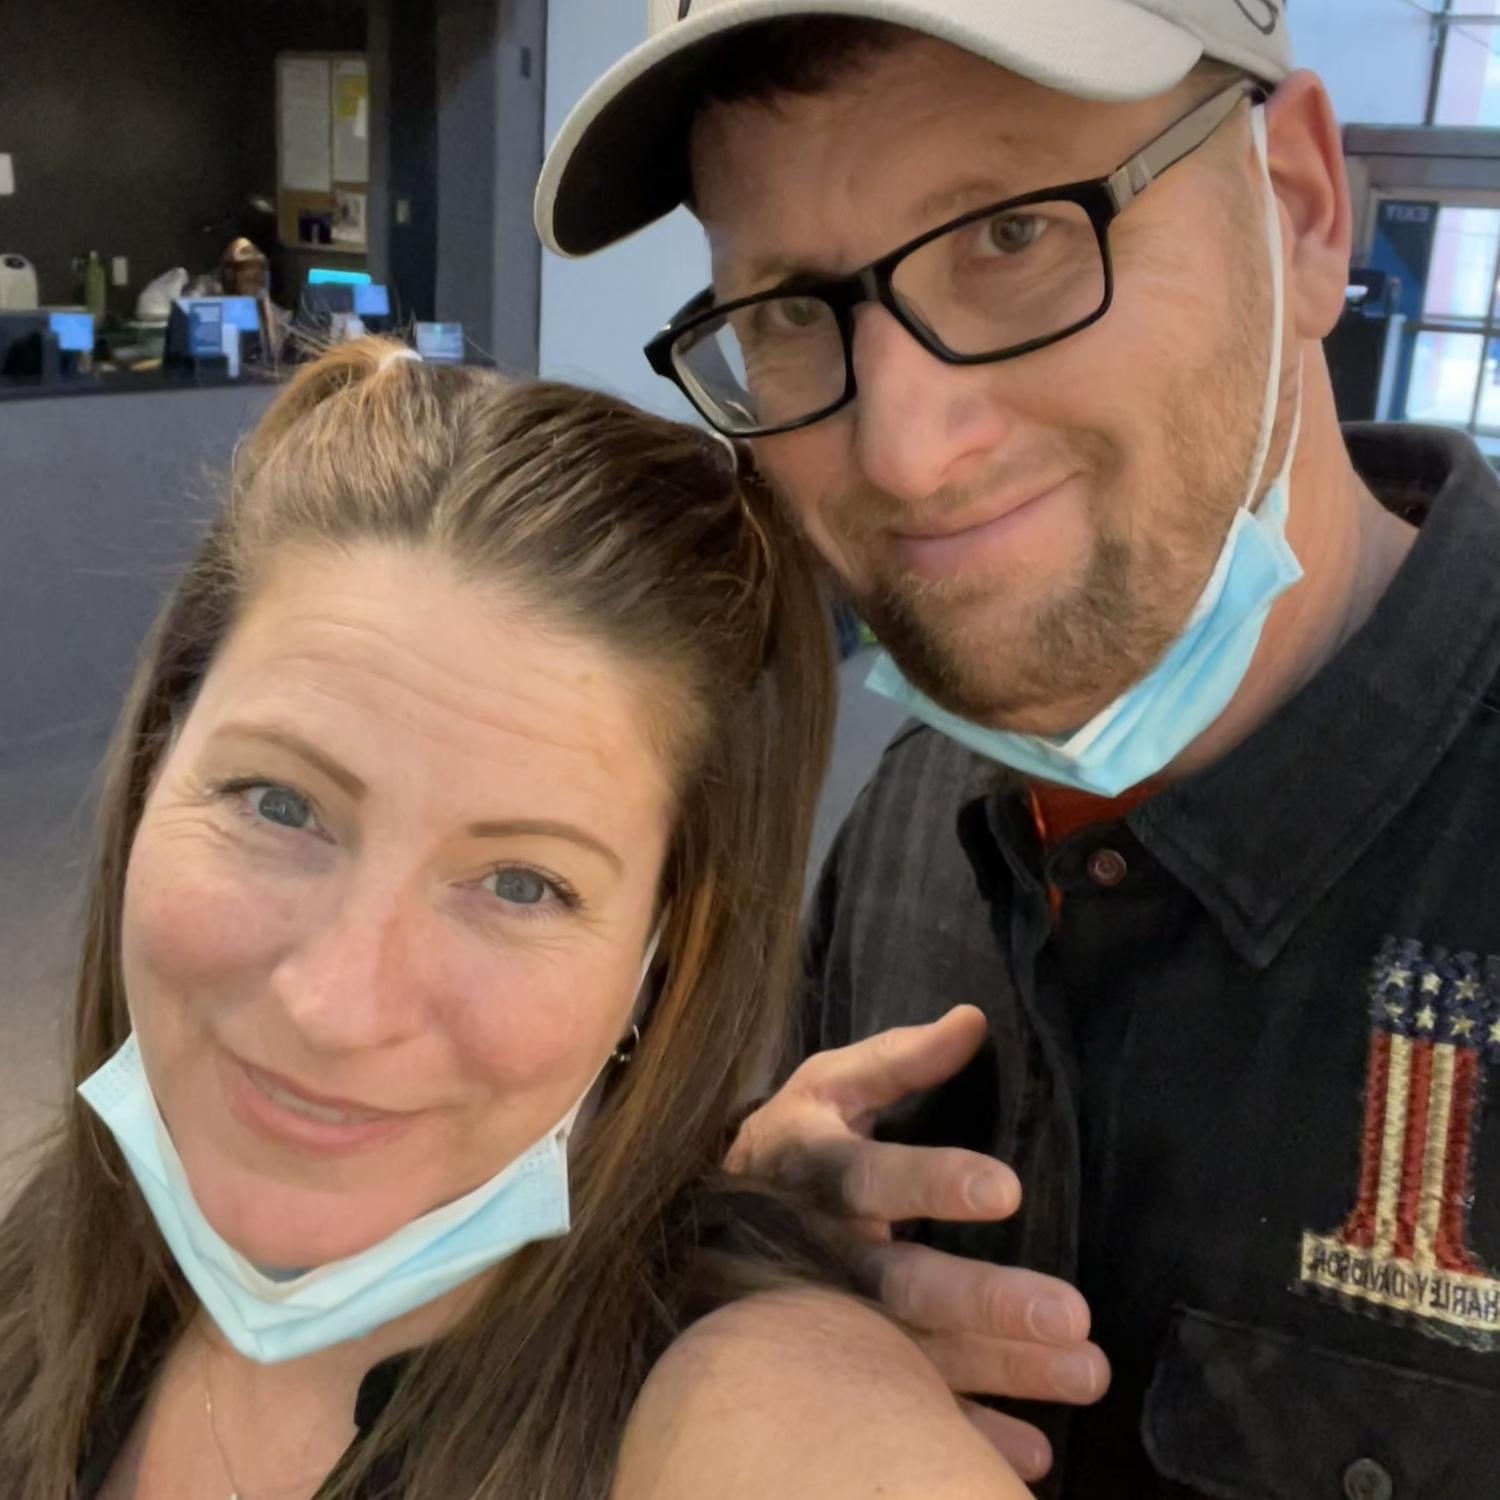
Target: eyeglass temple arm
{"x":1129,"y":181}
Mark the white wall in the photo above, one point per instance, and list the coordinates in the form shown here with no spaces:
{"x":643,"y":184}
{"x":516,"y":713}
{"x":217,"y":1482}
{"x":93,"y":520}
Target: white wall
{"x":1374,"y":55}
{"x":597,"y":313}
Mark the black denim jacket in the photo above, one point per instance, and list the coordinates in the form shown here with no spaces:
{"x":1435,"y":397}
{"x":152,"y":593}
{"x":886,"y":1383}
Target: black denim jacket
{"x":1244,"y":1082}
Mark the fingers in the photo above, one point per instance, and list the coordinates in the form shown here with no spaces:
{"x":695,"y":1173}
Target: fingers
{"x":928,"y":1289}
{"x":881,"y":1180}
{"x":1077,"y":1375}
{"x":1021,"y":1445}
{"x":992,"y":1330}
{"x":879,"y":1183}
{"x":871,"y":1074}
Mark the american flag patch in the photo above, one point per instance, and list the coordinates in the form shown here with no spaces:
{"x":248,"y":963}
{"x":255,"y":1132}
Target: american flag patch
{"x":1404,"y":1249}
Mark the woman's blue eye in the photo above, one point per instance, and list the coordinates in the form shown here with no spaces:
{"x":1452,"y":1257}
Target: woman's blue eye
{"x":276,"y":804}
{"x":520,"y":887}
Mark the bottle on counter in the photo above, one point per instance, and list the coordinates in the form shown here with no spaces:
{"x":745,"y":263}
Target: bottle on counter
{"x":94,"y":286}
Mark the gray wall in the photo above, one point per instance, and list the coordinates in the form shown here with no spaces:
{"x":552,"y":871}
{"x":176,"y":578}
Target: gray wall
{"x":408,"y":153}
{"x":134,"y":124}
{"x":490,"y":69}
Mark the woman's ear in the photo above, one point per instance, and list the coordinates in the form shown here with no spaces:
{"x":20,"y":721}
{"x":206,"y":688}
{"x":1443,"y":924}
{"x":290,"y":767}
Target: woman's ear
{"x":1306,"y":157}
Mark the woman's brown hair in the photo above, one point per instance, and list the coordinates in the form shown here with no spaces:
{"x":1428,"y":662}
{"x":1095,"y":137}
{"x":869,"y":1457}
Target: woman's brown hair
{"x":630,"y":531}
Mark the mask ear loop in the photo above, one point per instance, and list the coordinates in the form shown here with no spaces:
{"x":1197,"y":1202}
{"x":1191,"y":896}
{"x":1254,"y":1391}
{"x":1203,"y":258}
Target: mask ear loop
{"x":1272,"y":400}
{"x":1276,"y":249}
{"x":1278,"y":306}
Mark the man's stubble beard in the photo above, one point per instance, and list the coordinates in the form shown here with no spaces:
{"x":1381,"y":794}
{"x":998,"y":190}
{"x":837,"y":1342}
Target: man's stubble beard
{"x":1089,"y":644}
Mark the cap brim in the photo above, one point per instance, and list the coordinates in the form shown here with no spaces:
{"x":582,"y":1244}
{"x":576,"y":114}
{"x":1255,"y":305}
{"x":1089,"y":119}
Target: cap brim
{"x":620,"y":161}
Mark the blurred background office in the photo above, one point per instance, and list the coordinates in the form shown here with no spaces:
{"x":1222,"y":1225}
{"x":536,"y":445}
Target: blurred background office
{"x":185,"y":182}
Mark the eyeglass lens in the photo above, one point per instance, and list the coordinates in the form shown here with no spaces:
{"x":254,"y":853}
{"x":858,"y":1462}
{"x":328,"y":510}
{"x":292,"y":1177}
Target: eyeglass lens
{"x":979,"y":290}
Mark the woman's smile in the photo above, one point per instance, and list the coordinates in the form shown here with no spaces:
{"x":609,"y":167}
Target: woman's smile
{"x":271,"y":1106}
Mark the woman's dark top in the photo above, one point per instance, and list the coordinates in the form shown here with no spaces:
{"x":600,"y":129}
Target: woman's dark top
{"x":716,"y":1220}
{"x":113,"y":1430}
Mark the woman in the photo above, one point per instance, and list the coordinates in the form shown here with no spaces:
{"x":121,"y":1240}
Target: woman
{"x":459,"y":803}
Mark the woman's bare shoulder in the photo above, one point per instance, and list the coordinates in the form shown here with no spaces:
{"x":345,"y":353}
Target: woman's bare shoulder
{"x":803,"y":1393}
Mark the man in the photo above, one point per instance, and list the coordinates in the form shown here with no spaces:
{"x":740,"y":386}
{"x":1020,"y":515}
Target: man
{"x":1020,"y":304}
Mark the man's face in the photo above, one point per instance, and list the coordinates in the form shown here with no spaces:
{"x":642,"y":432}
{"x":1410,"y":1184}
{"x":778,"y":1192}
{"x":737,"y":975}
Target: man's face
{"x":1027,"y":537}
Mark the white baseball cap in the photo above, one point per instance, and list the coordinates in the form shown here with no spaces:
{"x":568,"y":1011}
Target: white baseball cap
{"x":621,"y":159}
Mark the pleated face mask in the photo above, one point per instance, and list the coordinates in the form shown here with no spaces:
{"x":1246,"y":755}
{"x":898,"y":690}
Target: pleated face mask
{"x":270,"y":1318}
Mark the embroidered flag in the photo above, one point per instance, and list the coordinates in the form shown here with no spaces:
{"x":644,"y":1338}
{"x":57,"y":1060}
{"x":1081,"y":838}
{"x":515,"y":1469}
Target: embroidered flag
{"x":1404,"y":1249}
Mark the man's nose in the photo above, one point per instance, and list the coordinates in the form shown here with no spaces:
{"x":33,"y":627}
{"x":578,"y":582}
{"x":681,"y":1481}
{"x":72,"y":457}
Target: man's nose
{"x":920,"y":424}
{"x":354,"y":982}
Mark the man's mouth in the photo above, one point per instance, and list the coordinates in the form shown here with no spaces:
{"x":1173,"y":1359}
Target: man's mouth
{"x":972,"y":537}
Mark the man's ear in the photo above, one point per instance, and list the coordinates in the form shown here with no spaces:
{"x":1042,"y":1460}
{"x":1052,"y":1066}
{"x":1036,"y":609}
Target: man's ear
{"x":1306,"y":156}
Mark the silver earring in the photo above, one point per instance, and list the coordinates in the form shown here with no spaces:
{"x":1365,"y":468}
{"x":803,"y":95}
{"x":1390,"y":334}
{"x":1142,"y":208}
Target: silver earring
{"x":622,"y":1054}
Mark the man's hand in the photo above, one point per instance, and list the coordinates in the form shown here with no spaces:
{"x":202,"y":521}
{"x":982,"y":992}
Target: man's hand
{"x":991,"y":1330}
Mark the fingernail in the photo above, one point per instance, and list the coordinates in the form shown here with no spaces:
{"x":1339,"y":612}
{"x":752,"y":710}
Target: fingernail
{"x":988,"y":1194}
{"x":1075,"y":1375}
{"x":1037,"y":1459}
{"x":1053,"y":1322}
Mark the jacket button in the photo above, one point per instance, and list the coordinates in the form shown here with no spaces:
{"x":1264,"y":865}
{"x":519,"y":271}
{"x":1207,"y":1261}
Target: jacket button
{"x":1365,"y":1479}
{"x":1107,"y":868}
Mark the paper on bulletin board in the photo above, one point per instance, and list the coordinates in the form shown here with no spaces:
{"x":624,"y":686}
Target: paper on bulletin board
{"x":305,"y":158}
{"x":351,"y":121}
{"x":348,"y":217}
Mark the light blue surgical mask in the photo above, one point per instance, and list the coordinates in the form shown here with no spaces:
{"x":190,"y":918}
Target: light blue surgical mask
{"x":270,"y":1318}
{"x":1145,"y":729}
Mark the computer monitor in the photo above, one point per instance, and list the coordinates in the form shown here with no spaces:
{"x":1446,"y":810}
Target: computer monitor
{"x":372,"y":301}
{"x":201,"y":332}
{"x":443,"y":343}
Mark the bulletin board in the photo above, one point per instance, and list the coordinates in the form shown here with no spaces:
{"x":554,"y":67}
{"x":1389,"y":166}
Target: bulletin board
{"x":323,"y":151}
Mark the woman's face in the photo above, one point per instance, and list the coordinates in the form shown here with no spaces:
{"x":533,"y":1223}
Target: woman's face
{"x":388,"y":903}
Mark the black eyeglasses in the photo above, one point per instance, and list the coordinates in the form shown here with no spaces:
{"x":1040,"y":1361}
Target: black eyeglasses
{"x":993,"y":284}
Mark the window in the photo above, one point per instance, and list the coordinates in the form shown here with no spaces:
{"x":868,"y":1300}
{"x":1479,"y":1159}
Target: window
{"x":1449,"y":369}
{"x":1466,"y":64}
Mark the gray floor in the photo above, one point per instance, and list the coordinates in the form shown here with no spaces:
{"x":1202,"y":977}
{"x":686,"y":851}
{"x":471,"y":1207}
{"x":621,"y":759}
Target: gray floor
{"x":45,"y":809}
{"x":45,"y":813}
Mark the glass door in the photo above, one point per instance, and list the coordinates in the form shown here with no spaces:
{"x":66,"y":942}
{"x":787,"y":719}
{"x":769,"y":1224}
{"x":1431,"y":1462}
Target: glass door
{"x":1450,"y":356}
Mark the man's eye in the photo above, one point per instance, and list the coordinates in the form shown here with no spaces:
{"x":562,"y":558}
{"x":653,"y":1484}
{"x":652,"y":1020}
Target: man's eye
{"x":795,"y":314}
{"x":1011,"y":233}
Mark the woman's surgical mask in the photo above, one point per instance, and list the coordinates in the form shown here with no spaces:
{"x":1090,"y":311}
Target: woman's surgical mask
{"x":270,"y":1317}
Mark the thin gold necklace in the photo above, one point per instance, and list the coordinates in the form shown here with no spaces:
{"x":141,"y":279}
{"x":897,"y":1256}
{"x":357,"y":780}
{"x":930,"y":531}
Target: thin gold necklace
{"x":213,"y":1426}
{"x":235,"y":1492}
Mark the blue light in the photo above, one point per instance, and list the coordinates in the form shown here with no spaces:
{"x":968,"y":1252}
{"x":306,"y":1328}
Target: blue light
{"x":242,"y":313}
{"x":372,"y":301}
{"x":74,"y":330}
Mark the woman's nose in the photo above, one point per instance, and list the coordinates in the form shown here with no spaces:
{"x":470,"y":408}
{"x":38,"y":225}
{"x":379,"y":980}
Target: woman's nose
{"x":920,"y":424}
{"x":353,"y":983}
